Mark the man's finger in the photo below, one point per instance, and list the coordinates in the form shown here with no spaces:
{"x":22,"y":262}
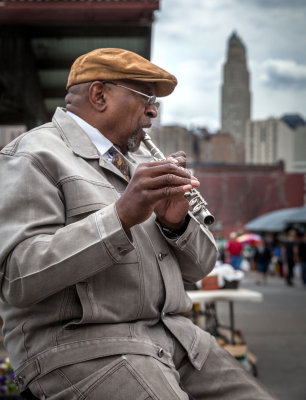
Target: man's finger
{"x":162,"y":168}
{"x":170,"y":180}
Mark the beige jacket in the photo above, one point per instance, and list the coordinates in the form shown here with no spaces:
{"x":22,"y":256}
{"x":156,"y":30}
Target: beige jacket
{"x":74,"y":286}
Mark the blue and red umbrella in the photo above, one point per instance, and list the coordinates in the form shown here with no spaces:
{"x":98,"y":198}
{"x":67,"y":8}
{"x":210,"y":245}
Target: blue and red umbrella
{"x":249,"y":238}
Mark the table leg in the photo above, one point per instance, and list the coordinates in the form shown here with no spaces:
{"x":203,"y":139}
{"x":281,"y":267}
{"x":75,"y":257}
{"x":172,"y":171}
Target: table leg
{"x":232,"y":321}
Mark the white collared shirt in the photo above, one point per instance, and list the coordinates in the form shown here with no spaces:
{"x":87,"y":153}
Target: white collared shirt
{"x":101,"y":142}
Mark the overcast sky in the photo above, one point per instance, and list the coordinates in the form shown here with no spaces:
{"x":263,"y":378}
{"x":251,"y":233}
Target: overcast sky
{"x":189,"y":40}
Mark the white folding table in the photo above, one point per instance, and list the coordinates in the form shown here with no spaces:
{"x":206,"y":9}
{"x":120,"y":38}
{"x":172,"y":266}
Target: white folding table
{"x":228,"y":295}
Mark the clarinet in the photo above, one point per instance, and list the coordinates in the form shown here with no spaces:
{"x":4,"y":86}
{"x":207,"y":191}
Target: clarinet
{"x":198,"y":206}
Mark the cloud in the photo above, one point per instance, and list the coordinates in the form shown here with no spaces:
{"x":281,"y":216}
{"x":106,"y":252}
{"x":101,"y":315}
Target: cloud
{"x":283,"y":74}
{"x":277,"y":3}
{"x":195,"y":100}
{"x":278,"y":87}
{"x":190,"y":40}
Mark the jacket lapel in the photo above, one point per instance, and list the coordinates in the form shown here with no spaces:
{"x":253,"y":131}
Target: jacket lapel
{"x":78,"y":141}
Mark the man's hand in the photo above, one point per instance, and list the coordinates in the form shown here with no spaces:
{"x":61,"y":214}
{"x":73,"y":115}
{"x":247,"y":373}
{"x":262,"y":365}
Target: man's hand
{"x":171,"y":212}
{"x":160,"y":187}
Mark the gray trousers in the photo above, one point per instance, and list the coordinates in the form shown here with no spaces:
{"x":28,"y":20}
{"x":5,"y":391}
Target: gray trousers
{"x":138,"y":377}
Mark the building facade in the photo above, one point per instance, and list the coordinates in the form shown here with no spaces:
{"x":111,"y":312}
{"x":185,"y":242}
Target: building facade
{"x":235,"y":91}
{"x":220,"y":148}
{"x":170,"y":139}
{"x":236,"y":194}
{"x":274,"y":141}
{"x":200,"y":147}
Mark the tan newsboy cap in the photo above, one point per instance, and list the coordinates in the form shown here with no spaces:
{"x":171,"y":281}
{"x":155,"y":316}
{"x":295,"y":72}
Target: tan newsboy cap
{"x":116,"y":64}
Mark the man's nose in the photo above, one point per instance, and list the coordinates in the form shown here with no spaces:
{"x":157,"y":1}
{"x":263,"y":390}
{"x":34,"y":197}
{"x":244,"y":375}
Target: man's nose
{"x":151,"y":110}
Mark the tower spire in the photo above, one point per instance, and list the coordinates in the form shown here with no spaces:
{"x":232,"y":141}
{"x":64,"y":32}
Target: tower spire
{"x":235,"y":95}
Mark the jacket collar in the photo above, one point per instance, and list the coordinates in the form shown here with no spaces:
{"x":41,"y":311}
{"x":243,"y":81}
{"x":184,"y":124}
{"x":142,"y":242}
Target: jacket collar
{"x":74,"y":137}
{"x":79,"y":142}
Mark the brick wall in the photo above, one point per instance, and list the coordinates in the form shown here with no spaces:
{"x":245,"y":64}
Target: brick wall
{"x":238,"y":193}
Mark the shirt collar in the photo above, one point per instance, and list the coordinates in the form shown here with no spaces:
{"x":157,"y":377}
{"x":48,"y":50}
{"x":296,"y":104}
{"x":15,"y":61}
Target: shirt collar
{"x":97,"y":138}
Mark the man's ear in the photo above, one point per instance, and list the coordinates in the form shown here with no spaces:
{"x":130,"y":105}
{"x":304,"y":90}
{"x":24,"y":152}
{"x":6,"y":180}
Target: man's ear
{"x":97,"y":96}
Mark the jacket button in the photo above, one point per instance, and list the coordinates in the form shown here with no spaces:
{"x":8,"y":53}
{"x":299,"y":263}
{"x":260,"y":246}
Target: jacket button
{"x":160,"y":352}
{"x":163,"y":314}
{"x":161,"y":256}
{"x":20,"y":379}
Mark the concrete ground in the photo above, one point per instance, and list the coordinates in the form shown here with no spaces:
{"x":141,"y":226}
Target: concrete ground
{"x":275,"y":331}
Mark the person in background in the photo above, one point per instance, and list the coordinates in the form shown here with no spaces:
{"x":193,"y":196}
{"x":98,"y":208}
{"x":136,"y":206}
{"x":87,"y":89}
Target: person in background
{"x":262,"y":259}
{"x":248,"y":257}
{"x":221,"y":244}
{"x":290,"y":255}
{"x":234,"y":251}
{"x":278,"y":259}
{"x":302,"y":257}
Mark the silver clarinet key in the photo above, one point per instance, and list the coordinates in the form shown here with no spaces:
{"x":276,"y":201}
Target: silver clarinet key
{"x":193,"y":196}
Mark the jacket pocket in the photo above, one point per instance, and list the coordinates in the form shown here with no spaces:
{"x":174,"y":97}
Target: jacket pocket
{"x":84,"y":196}
{"x":113,"y":295}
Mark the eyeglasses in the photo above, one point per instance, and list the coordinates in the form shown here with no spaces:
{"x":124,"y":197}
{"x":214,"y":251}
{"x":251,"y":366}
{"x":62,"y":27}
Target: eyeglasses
{"x":151,"y":99}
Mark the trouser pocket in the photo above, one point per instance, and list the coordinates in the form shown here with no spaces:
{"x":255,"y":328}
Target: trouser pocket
{"x":130,"y":377}
{"x":120,"y":382}
{"x":107,"y":378}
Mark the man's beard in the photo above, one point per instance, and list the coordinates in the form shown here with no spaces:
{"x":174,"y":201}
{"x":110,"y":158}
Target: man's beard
{"x":133,"y":144}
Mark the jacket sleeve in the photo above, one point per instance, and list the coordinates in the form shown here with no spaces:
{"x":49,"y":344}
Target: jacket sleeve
{"x":39,"y":255}
{"x":195,"y":250}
